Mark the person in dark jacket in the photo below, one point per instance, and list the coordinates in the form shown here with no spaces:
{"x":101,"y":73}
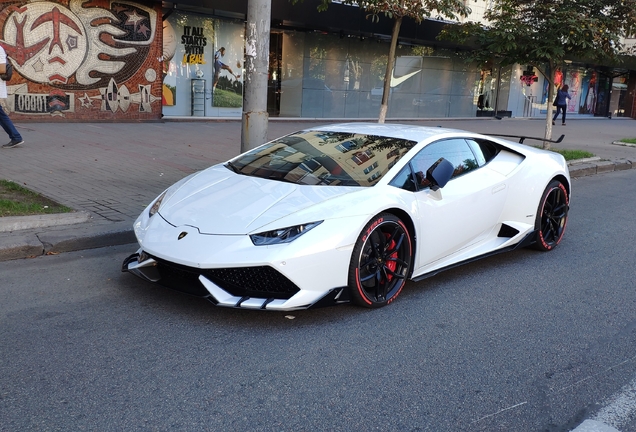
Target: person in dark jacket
{"x":561,"y":103}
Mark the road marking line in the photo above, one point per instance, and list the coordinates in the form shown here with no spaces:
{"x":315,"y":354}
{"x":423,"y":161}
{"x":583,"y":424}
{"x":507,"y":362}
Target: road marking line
{"x":500,"y":411}
{"x":595,"y":375}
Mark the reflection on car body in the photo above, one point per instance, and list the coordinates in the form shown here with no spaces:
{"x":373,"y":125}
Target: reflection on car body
{"x":363,"y":156}
{"x":347,"y":146}
{"x":371,"y":167}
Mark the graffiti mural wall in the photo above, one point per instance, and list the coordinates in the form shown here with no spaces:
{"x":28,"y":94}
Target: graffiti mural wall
{"x":83,"y":59}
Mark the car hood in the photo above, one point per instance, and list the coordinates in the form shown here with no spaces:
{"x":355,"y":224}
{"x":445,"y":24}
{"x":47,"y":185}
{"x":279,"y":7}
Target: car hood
{"x":218,"y":201}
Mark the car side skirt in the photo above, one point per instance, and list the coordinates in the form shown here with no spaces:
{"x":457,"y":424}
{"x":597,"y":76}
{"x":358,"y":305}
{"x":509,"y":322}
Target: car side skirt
{"x":528,"y":240}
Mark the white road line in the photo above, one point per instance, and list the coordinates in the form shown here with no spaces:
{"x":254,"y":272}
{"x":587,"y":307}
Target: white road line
{"x":595,"y":375}
{"x":500,"y":411}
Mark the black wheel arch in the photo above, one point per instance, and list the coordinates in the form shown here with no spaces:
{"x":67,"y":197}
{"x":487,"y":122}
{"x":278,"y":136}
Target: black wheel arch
{"x":561,"y":178}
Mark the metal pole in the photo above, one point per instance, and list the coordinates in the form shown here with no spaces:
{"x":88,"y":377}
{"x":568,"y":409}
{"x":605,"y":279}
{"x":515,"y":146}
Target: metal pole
{"x":255,"y":117}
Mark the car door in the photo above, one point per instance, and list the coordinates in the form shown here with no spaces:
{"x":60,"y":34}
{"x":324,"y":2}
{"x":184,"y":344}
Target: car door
{"x":462,"y":213}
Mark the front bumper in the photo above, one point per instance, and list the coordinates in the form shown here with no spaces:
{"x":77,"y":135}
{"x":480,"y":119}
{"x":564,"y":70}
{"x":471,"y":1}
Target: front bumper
{"x":231,"y":271}
{"x":259,"y":287}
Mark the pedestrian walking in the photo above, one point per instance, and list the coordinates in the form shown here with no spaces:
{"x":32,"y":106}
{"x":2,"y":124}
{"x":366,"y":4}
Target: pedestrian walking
{"x":561,"y":103}
{"x":5,"y":121}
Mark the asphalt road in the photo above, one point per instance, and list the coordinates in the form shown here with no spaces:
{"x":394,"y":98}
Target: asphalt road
{"x":525,"y":341}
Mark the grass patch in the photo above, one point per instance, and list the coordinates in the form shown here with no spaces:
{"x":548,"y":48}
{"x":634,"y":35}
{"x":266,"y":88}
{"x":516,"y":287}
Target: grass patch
{"x":227,"y":99}
{"x":16,"y":200}
{"x":574,"y":154}
{"x":629,"y":140}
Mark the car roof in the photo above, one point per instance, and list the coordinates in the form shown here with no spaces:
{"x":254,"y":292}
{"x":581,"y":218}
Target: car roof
{"x":392,"y":130}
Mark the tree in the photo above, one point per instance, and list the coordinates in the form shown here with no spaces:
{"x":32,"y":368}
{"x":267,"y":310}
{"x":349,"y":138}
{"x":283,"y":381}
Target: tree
{"x":544,"y":33}
{"x":398,"y":10}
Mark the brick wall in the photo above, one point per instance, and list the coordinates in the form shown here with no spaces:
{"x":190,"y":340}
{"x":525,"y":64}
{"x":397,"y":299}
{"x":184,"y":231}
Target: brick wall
{"x":83,"y":60}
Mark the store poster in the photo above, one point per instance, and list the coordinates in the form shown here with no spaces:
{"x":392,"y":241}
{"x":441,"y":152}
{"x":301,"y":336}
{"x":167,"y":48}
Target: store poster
{"x":587,"y":104}
{"x":227,"y":83}
{"x":169,"y":89}
{"x":187,"y":53}
{"x":573,"y":81}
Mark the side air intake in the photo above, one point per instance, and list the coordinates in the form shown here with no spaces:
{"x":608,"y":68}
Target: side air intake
{"x":507,"y":231}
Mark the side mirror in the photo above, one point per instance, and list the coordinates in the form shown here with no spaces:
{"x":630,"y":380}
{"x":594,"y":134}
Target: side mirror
{"x":440,"y":173}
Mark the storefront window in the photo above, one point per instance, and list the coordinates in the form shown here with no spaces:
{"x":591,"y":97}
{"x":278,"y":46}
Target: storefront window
{"x":486,"y":91}
{"x":619,"y":91}
{"x":589,"y":89}
{"x":202,"y":66}
{"x":342,"y":76}
{"x":582,"y":85}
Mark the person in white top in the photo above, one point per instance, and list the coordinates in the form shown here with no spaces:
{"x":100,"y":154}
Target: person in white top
{"x":5,"y":121}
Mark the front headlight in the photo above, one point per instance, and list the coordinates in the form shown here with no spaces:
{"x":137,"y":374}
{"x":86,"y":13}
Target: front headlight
{"x":282,"y":235}
{"x":155,"y":206}
{"x":165,"y":196}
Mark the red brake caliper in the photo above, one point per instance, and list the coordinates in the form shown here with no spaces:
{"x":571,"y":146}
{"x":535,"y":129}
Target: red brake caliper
{"x":391,"y":265}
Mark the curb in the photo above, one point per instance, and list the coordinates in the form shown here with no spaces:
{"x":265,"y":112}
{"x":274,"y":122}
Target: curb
{"x":33,"y":243}
{"x":592,"y":166}
{"x":17,"y":223}
{"x":624,"y":144}
{"x":594,"y":426}
{"x":584,"y":160}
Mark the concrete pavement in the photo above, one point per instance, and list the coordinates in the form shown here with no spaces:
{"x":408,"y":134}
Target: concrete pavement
{"x":109,"y":172}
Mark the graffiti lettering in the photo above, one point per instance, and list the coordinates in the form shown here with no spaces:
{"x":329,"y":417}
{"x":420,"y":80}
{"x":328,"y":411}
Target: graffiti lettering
{"x":194,"y":44}
{"x":193,"y":59}
{"x":191,"y":49}
{"x":194,"y":40}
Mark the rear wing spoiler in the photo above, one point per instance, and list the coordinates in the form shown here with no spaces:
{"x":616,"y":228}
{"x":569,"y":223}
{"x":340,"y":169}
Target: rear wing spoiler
{"x":523,"y":138}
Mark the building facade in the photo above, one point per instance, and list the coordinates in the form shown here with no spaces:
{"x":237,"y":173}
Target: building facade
{"x":144,"y":60}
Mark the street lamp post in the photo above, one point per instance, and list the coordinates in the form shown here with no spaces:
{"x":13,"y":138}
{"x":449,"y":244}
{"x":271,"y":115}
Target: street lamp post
{"x":255,"y":117}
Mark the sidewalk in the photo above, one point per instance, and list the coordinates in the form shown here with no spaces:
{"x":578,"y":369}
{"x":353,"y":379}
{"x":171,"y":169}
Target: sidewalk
{"x":109,"y":172}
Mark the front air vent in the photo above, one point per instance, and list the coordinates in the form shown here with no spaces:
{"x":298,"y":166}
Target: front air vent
{"x":261,"y":281}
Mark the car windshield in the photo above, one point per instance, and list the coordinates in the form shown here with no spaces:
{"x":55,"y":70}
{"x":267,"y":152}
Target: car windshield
{"x":324,"y":158}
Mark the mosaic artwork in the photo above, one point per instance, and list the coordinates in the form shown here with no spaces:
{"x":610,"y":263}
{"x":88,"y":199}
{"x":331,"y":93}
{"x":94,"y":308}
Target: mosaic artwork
{"x":55,"y":103}
{"x":84,"y":50}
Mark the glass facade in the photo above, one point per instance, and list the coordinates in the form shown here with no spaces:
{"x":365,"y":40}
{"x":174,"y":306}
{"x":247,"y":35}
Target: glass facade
{"x":328,"y":76}
{"x":338,"y":76}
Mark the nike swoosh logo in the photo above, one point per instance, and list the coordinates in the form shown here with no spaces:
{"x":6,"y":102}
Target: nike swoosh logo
{"x":397,"y":81}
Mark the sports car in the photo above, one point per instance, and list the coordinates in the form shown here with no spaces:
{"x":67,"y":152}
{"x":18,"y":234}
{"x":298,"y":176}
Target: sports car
{"x":348,"y":213}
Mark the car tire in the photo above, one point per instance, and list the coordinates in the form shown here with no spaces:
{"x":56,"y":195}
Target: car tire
{"x":381,"y":261}
{"x":552,"y":216}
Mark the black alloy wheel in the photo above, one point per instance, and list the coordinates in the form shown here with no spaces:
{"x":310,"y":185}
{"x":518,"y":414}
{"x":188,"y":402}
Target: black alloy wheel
{"x":552,"y":216}
{"x":380,"y":262}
